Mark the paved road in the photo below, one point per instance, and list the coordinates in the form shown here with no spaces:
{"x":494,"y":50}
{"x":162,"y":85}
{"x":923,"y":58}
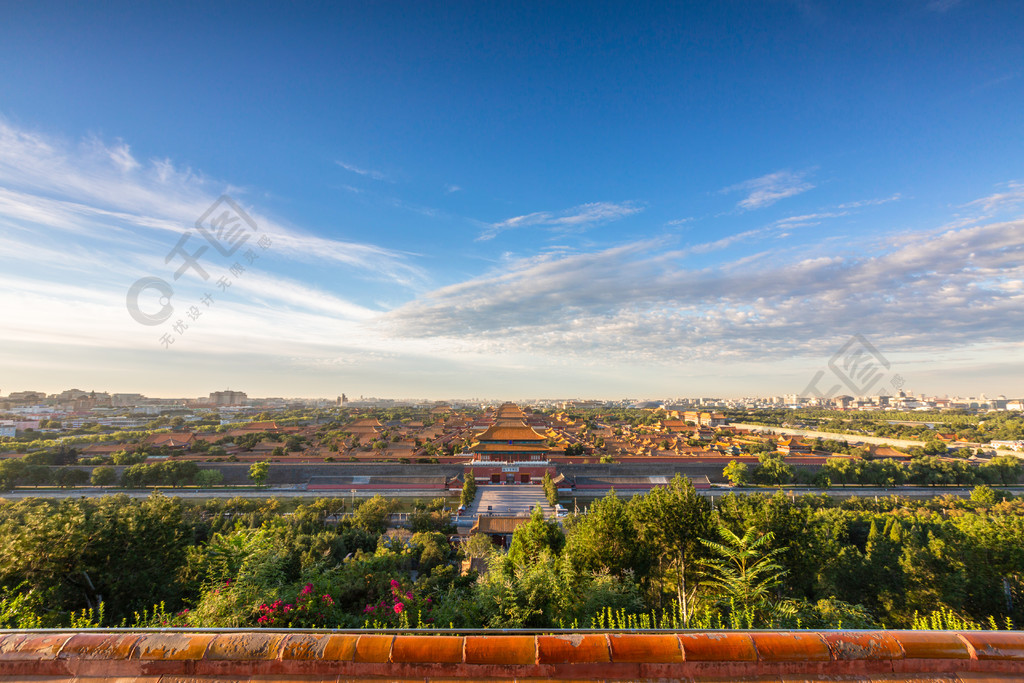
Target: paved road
{"x":509,"y":500}
{"x":504,"y":500}
{"x":831,"y":435}
{"x":857,"y":492}
{"x":96,"y":492}
{"x":854,"y":438}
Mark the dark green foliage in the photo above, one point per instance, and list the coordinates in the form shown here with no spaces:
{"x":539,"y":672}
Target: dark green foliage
{"x":432,"y":516}
{"x":469,"y":489}
{"x":372,"y":515}
{"x":550,"y":490}
{"x":535,"y":537}
{"x":168,"y":473}
{"x":665,"y":558}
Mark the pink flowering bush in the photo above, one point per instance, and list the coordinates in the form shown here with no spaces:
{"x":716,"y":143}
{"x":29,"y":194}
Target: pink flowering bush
{"x":402,"y":608}
{"x":308,"y":609}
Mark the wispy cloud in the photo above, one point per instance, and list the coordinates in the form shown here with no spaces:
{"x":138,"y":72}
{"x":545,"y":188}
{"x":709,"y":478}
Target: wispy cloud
{"x":770,"y":188}
{"x":871,"y":202}
{"x":783,"y":226}
{"x":575,"y":219}
{"x":635,"y":302}
{"x":96,"y":191}
{"x":451,"y":189}
{"x":375,"y":175}
{"x":109,"y":219}
{"x":1010,"y":196}
{"x":808,"y":220}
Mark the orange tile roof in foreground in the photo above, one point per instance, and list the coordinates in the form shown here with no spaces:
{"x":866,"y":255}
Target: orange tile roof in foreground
{"x":201,"y":656}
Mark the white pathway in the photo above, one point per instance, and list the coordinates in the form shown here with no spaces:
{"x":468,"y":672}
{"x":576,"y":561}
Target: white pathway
{"x":509,"y":500}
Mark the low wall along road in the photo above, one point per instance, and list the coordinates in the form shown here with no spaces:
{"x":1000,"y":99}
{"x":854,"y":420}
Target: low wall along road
{"x":200,"y":656}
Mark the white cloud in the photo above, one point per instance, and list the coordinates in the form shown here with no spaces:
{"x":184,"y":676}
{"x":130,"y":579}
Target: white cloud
{"x":101,"y":192}
{"x":930,"y":291}
{"x":121,"y":155}
{"x":770,"y":188}
{"x":871,"y":202}
{"x":376,"y":175}
{"x":809,"y":219}
{"x":80,"y":222}
{"x":1010,"y":197}
{"x":577,"y":218}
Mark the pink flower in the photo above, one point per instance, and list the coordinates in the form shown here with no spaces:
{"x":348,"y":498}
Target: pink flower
{"x":307,"y":589}
{"x":394,"y":584}
{"x":399,"y":607}
{"x":409,"y":595}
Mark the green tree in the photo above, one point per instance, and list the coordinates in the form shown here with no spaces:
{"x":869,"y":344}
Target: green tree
{"x":434,"y":550}
{"x":209,"y":478}
{"x":372,"y":515}
{"x":772,"y":469}
{"x":478,"y":546}
{"x":606,"y":539}
{"x":469,"y":489}
{"x":743,"y":574}
{"x":550,"y":491}
{"x":11,"y":470}
{"x":138,"y":476}
{"x":104,"y":476}
{"x":986,"y":496}
{"x":536,"y":536}
{"x":673,"y":521}
{"x":258,"y":472}
{"x":1003,"y":469}
{"x":737,"y":473}
{"x":77,"y":553}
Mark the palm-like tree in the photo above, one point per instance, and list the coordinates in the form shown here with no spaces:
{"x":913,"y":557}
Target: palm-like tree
{"x":743,"y":575}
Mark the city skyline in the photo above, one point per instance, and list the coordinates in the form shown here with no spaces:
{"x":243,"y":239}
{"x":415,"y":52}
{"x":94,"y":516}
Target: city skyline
{"x":245,"y":398}
{"x":590,"y":200}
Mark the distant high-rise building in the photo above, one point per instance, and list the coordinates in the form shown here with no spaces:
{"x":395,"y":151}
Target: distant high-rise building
{"x":27,"y":396}
{"x":228,"y":398}
{"x":121,"y":400}
{"x":342,"y":400}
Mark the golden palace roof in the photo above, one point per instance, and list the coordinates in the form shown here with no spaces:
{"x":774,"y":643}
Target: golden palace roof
{"x":509,"y":431}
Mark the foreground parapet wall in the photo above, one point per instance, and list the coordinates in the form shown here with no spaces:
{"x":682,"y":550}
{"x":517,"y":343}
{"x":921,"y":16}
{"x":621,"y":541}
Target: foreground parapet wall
{"x":346,"y":656}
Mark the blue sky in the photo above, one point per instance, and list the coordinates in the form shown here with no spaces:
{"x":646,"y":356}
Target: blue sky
{"x":475,"y":199}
